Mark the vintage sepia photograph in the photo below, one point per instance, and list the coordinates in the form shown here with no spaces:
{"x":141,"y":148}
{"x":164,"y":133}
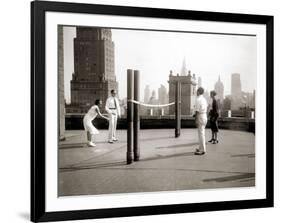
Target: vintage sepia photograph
{"x":152,"y":110}
{"x":148,"y":111}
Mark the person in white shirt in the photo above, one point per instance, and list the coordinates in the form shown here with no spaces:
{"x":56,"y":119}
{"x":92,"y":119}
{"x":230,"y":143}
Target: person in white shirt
{"x":113,"y":109}
{"x":201,"y":120}
{"x":88,"y":122}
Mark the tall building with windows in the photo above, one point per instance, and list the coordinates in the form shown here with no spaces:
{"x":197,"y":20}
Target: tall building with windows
{"x":94,"y":68}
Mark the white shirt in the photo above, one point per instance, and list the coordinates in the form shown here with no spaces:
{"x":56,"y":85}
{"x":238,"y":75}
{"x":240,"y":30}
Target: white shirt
{"x":111,"y":105}
{"x":201,"y":104}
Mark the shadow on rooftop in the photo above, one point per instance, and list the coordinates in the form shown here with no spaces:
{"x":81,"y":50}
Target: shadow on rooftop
{"x":72,"y":145}
{"x":243,"y":176}
{"x":93,"y":166}
{"x":251,"y":155}
{"x":162,"y":157}
{"x":76,"y":167}
{"x":177,"y":145}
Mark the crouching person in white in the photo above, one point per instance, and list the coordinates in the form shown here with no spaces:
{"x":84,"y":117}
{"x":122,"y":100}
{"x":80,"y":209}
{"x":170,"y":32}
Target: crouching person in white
{"x":87,"y":121}
{"x":113,"y":109}
{"x":201,"y":120}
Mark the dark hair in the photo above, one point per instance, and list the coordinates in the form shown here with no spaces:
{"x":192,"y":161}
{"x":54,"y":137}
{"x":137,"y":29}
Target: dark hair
{"x":112,"y":91}
{"x":97,"y":102}
{"x":213,"y":93}
{"x":200,"y":90}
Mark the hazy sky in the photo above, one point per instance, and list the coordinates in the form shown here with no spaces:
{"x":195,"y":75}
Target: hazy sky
{"x":156,"y":53}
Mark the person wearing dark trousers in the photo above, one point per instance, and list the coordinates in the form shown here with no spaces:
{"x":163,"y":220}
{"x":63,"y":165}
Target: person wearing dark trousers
{"x":214,"y":114}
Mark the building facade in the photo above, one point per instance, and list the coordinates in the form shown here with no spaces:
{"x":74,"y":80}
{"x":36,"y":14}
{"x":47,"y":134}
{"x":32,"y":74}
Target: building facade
{"x":94,"y":68}
{"x":188,"y":92}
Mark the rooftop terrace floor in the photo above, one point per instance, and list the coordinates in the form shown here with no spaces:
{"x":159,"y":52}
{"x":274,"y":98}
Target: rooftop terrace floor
{"x":166,"y":163}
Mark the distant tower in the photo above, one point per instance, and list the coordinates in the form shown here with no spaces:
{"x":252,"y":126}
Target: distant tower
{"x":163,"y":98}
{"x":199,"y":82}
{"x":235,"y":84}
{"x":219,"y":88}
{"x":152,"y":99}
{"x":146,"y":94}
{"x":183,"y":69}
{"x":188,"y":93}
{"x":236,"y":92}
{"x":163,"y":95}
{"x":94,"y":69}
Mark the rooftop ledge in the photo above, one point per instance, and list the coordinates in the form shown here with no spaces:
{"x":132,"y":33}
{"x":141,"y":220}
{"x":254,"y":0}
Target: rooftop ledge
{"x":74,"y":122}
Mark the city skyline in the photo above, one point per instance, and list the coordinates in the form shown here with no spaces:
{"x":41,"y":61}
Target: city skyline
{"x":155,"y":54}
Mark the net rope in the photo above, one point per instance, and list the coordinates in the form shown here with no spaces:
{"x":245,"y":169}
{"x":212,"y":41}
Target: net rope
{"x":150,"y":105}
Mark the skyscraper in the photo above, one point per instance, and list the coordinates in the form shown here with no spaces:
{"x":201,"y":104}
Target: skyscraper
{"x":219,"y":88}
{"x":152,"y":99}
{"x":163,"y":98}
{"x":163,"y":95}
{"x":236,"y":92}
{"x":94,"y":70}
{"x":235,"y":84}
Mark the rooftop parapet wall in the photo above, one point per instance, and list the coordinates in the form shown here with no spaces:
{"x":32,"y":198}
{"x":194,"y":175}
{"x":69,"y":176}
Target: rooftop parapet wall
{"x":75,"y":122}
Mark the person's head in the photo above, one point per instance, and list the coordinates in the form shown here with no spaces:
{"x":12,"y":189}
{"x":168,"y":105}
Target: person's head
{"x":98,"y":102}
{"x":113,"y":93}
{"x":213,"y":94}
{"x":200,"y":91}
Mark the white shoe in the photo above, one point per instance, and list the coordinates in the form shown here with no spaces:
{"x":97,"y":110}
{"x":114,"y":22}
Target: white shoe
{"x":91,"y":144}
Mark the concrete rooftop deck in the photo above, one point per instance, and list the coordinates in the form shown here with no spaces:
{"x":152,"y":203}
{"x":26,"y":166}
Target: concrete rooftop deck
{"x":167,"y":163}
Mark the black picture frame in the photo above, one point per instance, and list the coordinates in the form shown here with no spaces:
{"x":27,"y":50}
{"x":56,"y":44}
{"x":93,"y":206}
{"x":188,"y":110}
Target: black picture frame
{"x":38,"y":131}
